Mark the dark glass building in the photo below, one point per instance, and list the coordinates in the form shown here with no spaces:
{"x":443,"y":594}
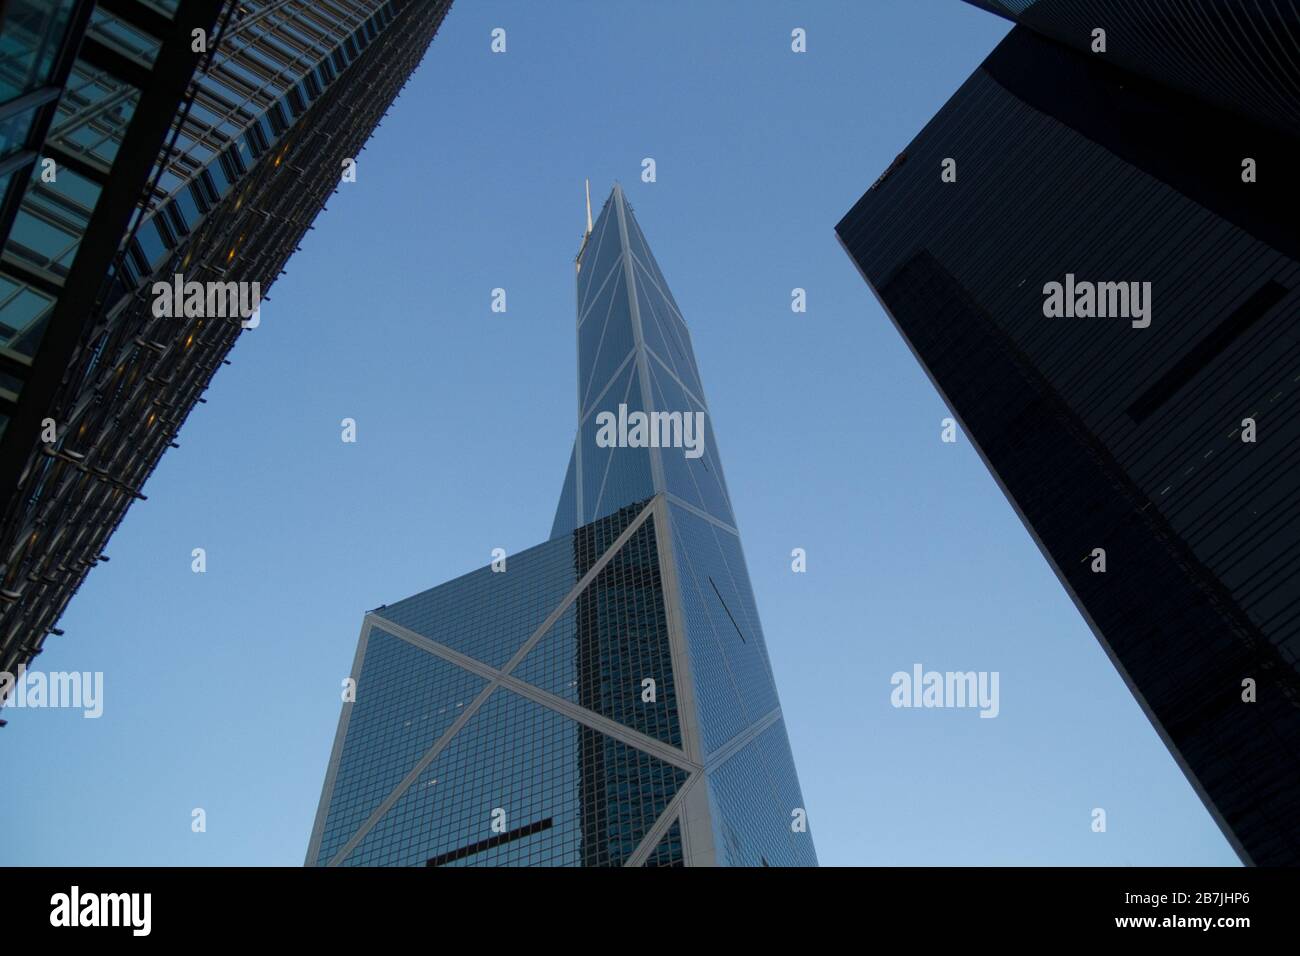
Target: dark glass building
{"x":605,"y":698}
{"x":131,"y":153}
{"x":1159,"y":424}
{"x":1237,"y":54}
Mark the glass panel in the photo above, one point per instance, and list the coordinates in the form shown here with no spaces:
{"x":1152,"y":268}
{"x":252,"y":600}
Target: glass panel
{"x":663,"y":330}
{"x":486,"y":614}
{"x":14,"y":130}
{"x":39,"y":241}
{"x":411,"y":698}
{"x":570,"y":796}
{"x":93,"y":114}
{"x":122,"y":37}
{"x":151,"y":242}
{"x":610,"y":639}
{"x":187,"y":207}
{"x":166,"y":7}
{"x":23,"y":312}
{"x":753,"y":796}
{"x":604,"y":342}
{"x":600,"y":256}
{"x":52,"y":220}
{"x":219,"y":178}
{"x":700,"y":475}
{"x":612,"y":477}
{"x":29,"y":43}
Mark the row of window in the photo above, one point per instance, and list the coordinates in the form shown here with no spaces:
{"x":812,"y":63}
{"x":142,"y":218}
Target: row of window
{"x":159,"y":235}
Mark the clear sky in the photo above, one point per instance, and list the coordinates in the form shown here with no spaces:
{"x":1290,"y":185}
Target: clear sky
{"x":222,"y":689}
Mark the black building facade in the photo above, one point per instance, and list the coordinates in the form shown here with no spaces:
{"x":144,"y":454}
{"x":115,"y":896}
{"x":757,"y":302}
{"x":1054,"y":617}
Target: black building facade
{"x":1237,"y":54}
{"x":173,"y":153}
{"x":1150,"y":441}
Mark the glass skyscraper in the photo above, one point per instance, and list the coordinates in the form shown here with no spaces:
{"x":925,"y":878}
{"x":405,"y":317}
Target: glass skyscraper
{"x":131,"y":152}
{"x":1238,"y":54}
{"x":604,"y":698}
{"x":1150,"y":438}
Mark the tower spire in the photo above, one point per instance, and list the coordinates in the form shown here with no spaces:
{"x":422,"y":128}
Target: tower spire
{"x":586,"y":235}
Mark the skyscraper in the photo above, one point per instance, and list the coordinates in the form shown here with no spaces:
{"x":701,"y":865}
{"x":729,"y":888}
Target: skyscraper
{"x":604,"y":698}
{"x":1237,"y":54}
{"x":144,"y":140}
{"x":1096,"y":262}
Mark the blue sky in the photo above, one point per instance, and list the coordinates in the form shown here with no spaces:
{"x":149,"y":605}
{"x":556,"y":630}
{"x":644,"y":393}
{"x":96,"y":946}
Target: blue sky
{"x":221,"y":689}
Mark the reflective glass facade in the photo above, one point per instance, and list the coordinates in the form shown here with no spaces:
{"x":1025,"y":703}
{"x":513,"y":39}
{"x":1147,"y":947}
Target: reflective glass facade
{"x":38,"y":40}
{"x":628,"y":715}
{"x":1237,"y":54}
{"x":1109,"y":436}
{"x":212,"y":166}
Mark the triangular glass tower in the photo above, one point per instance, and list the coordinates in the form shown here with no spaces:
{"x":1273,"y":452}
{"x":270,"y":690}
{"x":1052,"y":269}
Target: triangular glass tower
{"x":604,"y":698}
